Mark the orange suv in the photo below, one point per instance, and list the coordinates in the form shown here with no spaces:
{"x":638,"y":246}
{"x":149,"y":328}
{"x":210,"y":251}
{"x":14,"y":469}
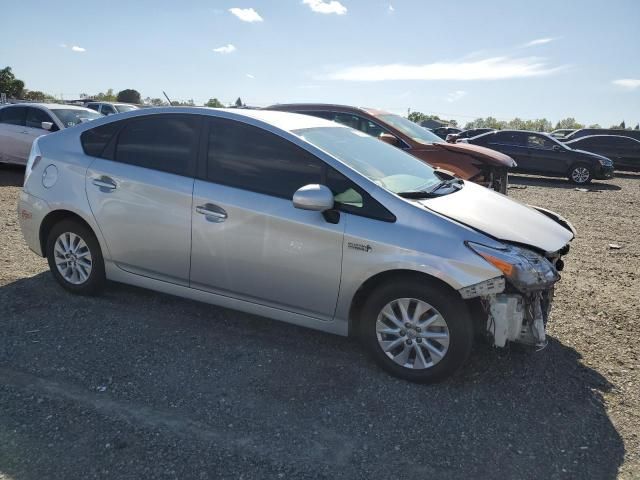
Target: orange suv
{"x":470,"y":162}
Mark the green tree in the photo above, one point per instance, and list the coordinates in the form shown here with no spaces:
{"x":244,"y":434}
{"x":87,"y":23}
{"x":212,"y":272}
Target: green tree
{"x":156,"y":102}
{"x":129,"y":96}
{"x":180,"y":103}
{"x":637,"y":126}
{"x":568,"y":122}
{"x":418,"y":117}
{"x":9,"y":84}
{"x":239,"y":102}
{"x":214,"y":103}
{"x":623,"y":126}
{"x":37,"y":96}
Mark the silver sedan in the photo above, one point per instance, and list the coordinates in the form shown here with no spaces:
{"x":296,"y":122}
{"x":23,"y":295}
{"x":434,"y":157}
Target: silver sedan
{"x":298,"y":219}
{"x":22,"y":123}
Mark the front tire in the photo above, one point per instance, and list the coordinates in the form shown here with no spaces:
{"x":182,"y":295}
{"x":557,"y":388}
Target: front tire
{"x":580,"y":174}
{"x":419,"y":332}
{"x":75,"y":258}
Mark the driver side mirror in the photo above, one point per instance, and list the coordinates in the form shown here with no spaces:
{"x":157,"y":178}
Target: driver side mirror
{"x":388,"y":138}
{"x":313,"y":197}
{"x":47,"y":125}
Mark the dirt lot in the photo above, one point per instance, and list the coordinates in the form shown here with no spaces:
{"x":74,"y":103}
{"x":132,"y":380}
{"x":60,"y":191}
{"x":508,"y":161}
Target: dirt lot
{"x":136,"y":384}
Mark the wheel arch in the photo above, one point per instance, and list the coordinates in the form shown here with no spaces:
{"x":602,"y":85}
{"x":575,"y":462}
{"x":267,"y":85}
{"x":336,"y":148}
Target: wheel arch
{"x":381,"y":278}
{"x":53,"y":218}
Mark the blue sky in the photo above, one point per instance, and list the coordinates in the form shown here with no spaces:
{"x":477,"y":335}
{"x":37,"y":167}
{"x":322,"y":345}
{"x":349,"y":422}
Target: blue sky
{"x":460,"y":59}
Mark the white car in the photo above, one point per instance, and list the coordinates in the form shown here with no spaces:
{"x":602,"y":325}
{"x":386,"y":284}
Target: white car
{"x":109,"y":108}
{"x":22,"y":123}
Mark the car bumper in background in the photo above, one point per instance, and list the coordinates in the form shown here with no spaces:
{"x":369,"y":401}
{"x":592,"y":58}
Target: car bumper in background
{"x":604,"y":173}
{"x":31,"y":212}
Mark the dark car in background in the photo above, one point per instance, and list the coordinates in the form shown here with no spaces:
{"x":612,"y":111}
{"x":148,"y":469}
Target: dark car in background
{"x":541,"y":154}
{"x":562,"y":132}
{"x":624,"y":151}
{"x":443,"y":132}
{"x":473,"y":132}
{"x":587,"y":132}
{"x":481,"y":165}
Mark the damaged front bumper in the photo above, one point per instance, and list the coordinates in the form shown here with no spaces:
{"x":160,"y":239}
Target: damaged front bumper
{"x":515,"y":307}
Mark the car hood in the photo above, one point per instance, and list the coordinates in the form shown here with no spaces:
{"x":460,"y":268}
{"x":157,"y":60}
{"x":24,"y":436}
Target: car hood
{"x":500,"y":217}
{"x":590,"y":154}
{"x":492,"y":157}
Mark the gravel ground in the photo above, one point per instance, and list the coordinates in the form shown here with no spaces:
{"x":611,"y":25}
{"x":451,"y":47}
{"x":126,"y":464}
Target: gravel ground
{"x":136,"y":384}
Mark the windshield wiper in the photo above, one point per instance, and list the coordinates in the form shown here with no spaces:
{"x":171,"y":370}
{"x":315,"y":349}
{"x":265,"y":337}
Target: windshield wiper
{"x":431,"y":192}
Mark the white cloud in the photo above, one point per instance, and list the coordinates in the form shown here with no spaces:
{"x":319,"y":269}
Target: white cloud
{"x":455,"y":96}
{"x":76,"y":48}
{"x":391,"y":9}
{"x":628,"y":83}
{"x":320,"y":6}
{"x":539,"y":41}
{"x":248,"y":75}
{"x":494,"y":68}
{"x":225,"y":49}
{"x":246,"y":14}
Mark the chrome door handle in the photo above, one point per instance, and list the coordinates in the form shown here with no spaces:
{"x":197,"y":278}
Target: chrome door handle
{"x":212,"y":213}
{"x":105,"y":183}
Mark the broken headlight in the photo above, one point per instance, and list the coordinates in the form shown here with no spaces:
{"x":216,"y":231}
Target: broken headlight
{"x":524,"y":269}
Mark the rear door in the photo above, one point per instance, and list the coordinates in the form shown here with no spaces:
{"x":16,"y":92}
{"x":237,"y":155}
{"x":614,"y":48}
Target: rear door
{"x":15,"y":141}
{"x":249,"y":242}
{"x":625,"y":152}
{"x":512,"y":144}
{"x":140,"y":192}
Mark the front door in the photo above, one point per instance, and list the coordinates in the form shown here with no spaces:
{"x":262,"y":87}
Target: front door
{"x":546,"y":156}
{"x":249,"y":242}
{"x":141,"y":197}
{"x":15,"y":141}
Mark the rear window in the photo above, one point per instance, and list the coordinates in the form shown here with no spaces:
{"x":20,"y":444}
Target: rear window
{"x":13,"y":115}
{"x":95,"y":141}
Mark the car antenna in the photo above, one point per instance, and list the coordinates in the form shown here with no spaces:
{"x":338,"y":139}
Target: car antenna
{"x":167,"y":97}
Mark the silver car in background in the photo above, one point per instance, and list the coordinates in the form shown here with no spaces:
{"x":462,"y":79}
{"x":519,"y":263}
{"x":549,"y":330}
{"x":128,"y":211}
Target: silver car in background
{"x":299,"y":219}
{"x":110,"y":108}
{"x":22,"y":123}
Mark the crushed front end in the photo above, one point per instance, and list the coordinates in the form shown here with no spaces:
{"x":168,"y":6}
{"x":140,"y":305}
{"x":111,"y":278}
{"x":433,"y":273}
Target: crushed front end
{"x":515,"y":307}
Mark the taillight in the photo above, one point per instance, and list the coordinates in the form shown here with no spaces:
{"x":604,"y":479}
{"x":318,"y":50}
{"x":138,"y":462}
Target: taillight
{"x":34,"y":158}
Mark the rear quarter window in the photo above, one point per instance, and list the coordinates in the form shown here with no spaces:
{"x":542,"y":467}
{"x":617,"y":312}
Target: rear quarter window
{"x":95,"y":141}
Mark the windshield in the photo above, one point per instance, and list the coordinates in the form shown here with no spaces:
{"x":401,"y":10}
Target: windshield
{"x":380,"y":162}
{"x":73,"y":117}
{"x":410,"y":129}
{"x":124,"y":108}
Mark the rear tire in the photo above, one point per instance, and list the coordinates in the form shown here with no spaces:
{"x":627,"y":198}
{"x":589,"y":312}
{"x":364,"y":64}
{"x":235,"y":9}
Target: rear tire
{"x":580,"y":174}
{"x":75,"y":258}
{"x":429,"y":337}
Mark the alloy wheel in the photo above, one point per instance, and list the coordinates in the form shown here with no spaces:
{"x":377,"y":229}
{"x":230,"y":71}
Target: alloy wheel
{"x":73,"y":258}
{"x":580,"y":174}
{"x":412,"y":333}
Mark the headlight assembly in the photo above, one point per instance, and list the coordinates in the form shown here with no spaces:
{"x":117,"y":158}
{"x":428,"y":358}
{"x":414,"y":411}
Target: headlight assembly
{"x":524,"y":269}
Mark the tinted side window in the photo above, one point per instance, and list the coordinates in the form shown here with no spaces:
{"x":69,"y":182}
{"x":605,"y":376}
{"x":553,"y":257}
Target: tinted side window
{"x":93,"y":106}
{"x":160,"y":142}
{"x":35,"y":117}
{"x":251,"y":158}
{"x":509,"y":138}
{"x":326,"y":115}
{"x":95,"y":141}
{"x":107,"y":110}
{"x":538,"y":141}
{"x":352,"y":199}
{"x":13,"y":115}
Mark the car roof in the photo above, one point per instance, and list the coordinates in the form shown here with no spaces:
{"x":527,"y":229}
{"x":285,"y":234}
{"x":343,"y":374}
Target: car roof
{"x":286,"y":121}
{"x":602,"y":136}
{"x":327,"y":107}
{"x":50,"y":106}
